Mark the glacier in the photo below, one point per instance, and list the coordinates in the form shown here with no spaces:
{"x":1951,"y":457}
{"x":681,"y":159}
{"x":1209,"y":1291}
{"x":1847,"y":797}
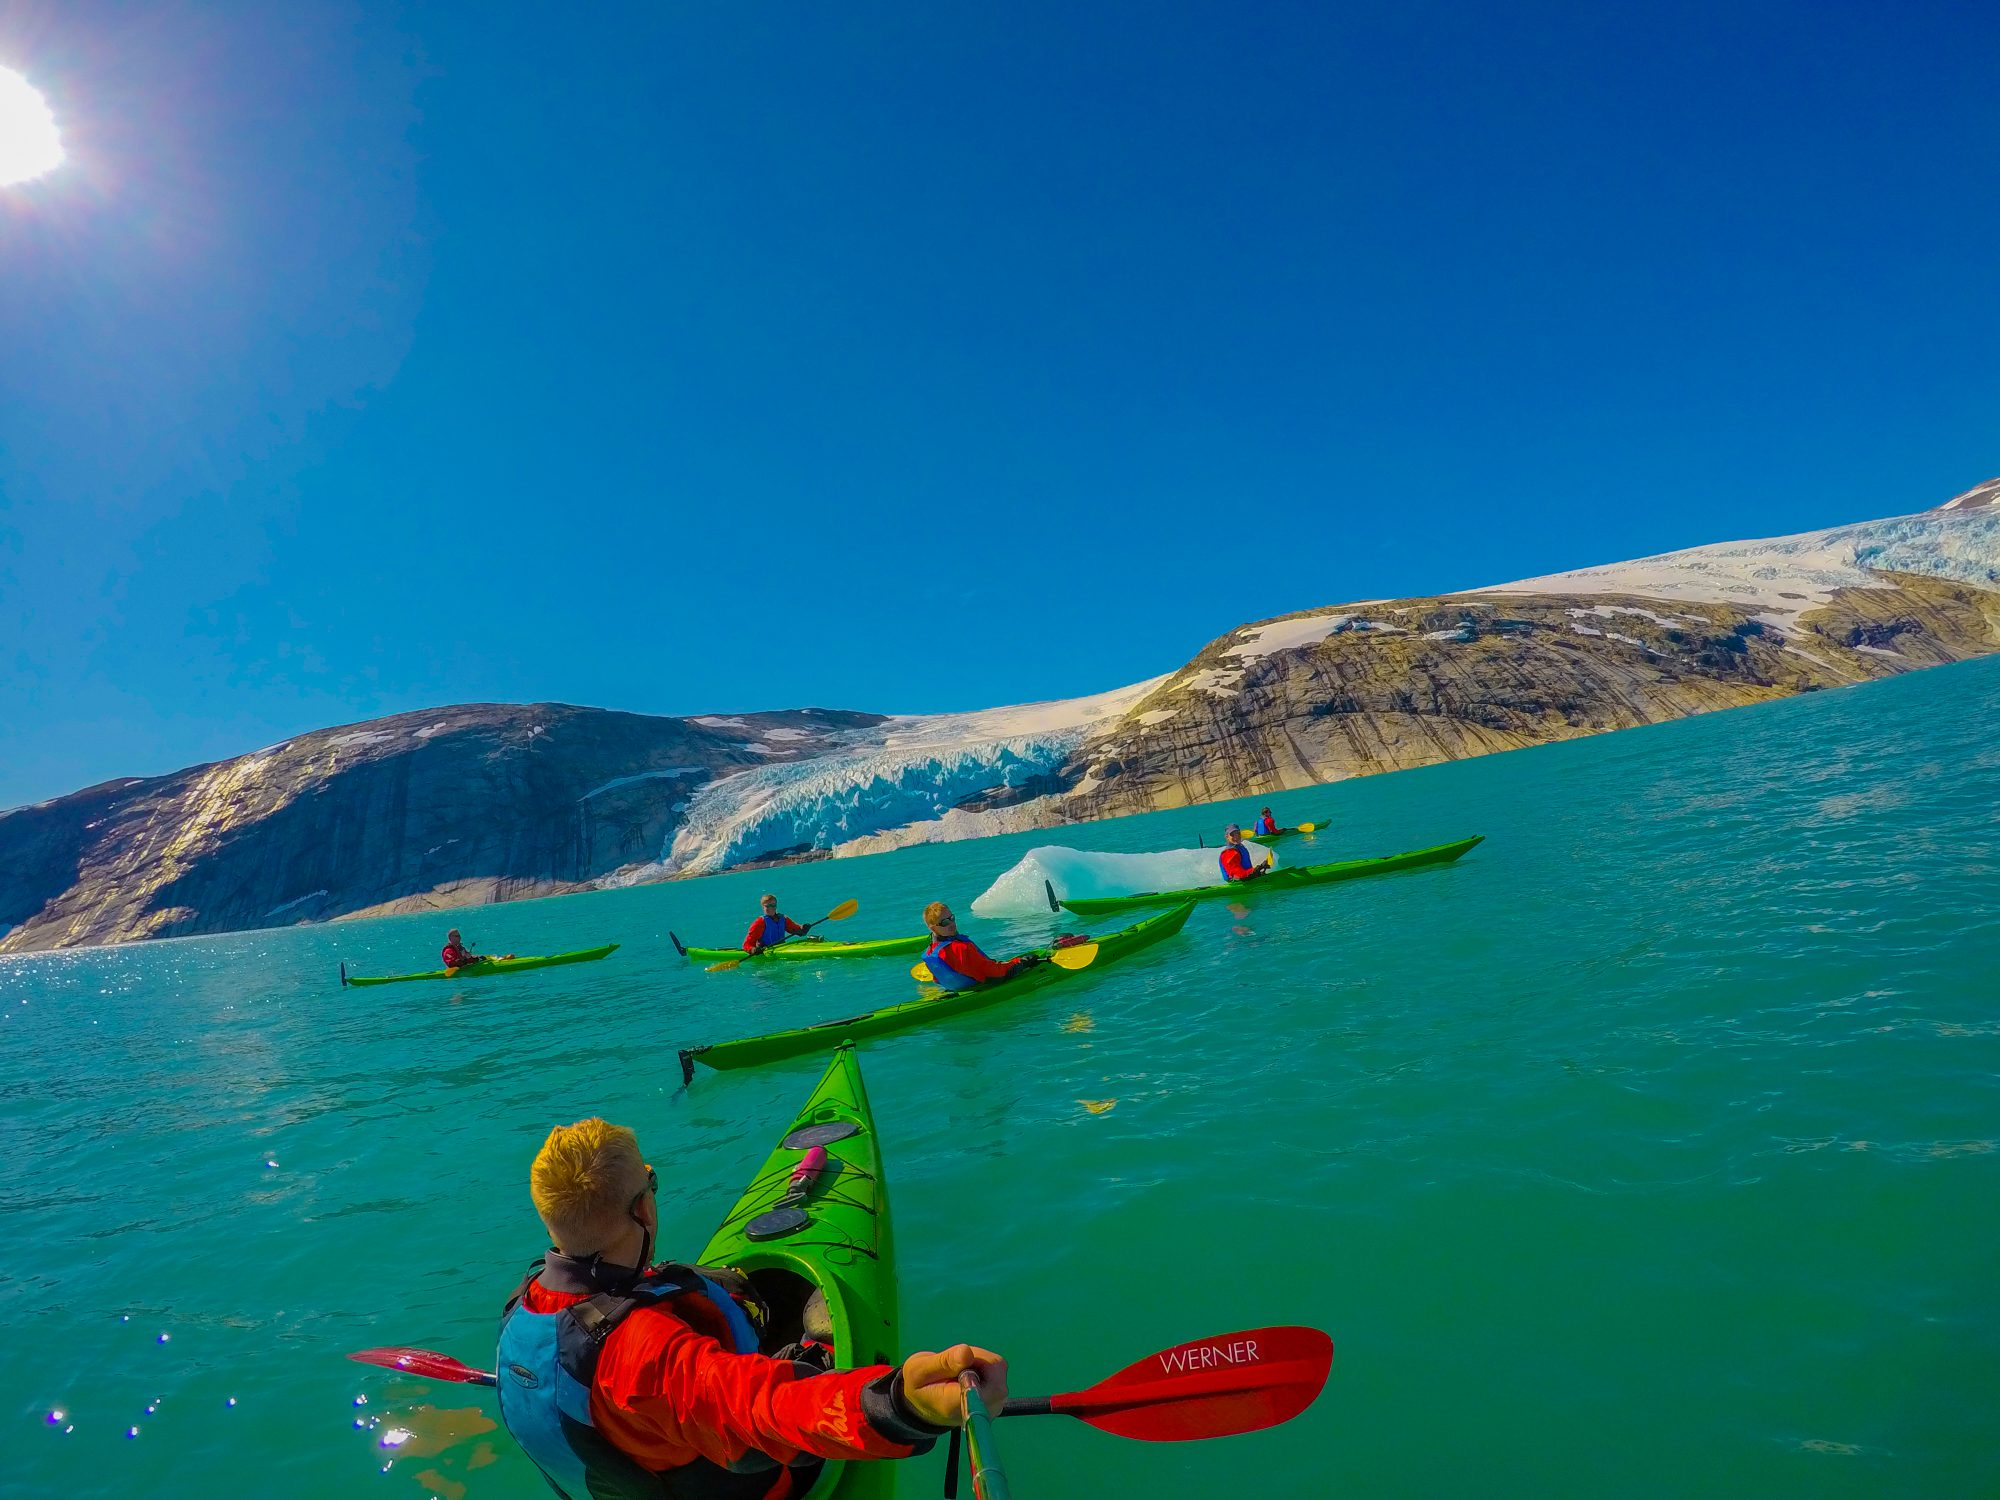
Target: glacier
{"x":912,"y":769}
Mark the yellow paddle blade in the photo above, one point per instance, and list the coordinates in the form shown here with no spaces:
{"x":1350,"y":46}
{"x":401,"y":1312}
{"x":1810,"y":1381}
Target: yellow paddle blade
{"x":1076,"y":956}
{"x":1308,"y":828}
{"x":842,"y":912}
{"x":727,"y":963}
{"x":921,"y":972}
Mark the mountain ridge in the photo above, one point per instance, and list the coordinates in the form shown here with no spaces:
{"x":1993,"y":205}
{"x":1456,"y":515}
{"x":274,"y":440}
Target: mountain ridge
{"x":446,"y":807}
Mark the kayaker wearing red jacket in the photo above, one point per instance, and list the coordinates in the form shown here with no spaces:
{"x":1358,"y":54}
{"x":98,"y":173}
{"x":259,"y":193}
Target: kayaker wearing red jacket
{"x":770,"y":929}
{"x":1266,"y":824}
{"x":455,"y":955}
{"x":956,"y":962}
{"x":679,"y":1402}
{"x":1236,"y":858}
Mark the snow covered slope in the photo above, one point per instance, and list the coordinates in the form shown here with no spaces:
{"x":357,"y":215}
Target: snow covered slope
{"x":1779,"y":578}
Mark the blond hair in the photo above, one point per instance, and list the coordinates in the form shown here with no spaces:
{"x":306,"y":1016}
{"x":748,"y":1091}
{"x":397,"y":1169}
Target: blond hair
{"x":936,"y":912}
{"x":583,"y":1182}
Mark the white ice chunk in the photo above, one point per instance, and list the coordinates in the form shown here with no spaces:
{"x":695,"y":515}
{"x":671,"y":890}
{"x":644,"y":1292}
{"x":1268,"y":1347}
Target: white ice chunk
{"x":1082,"y":873}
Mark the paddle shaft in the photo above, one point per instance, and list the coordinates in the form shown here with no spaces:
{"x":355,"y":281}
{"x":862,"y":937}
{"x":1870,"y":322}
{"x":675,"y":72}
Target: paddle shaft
{"x":989,"y":1480}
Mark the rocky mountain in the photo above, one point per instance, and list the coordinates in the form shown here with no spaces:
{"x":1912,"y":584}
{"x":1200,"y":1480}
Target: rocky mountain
{"x":452,"y":807}
{"x":491,"y":802}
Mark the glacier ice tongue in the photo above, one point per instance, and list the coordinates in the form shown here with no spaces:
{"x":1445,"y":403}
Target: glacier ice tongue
{"x":1083,"y":872}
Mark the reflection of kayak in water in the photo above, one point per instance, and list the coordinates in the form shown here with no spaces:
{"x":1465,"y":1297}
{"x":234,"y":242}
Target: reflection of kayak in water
{"x":487,"y":966}
{"x":808,"y":948}
{"x":1278,"y":880}
{"x":934,"y":1005}
{"x":835,"y":1240}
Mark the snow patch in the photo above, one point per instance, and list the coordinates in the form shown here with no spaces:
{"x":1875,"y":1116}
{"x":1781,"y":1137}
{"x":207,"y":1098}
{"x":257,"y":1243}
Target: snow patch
{"x":1980,"y":494}
{"x":436,"y":729}
{"x":669,"y":773}
{"x":712,"y":722}
{"x":358,"y":737}
{"x":1213,"y":680}
{"x":1287,"y":635}
{"x":786,"y":734}
{"x":1154,"y":716}
{"x":1612,"y":611}
{"x":295,"y":901}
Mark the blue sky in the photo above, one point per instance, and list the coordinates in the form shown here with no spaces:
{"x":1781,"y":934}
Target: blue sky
{"x":682,"y":359}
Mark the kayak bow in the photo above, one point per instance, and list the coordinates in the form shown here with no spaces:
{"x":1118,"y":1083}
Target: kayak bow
{"x":795,"y":1231}
{"x":935,"y":1005}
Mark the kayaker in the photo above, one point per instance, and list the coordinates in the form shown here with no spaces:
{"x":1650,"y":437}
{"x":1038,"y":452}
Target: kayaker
{"x":1236,"y":858}
{"x":681,"y":1403}
{"x":770,"y":929}
{"x":455,"y":955}
{"x":1266,"y":824}
{"x":956,"y":962}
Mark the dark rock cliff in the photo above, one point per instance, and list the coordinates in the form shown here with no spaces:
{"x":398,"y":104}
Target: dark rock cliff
{"x":482,"y":802}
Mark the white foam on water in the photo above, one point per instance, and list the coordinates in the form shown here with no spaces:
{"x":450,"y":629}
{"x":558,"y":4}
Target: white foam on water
{"x":1077,"y":873}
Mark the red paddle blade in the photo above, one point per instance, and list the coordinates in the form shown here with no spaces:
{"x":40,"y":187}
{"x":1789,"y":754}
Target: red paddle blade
{"x":1212,"y":1387}
{"x":425,"y":1362}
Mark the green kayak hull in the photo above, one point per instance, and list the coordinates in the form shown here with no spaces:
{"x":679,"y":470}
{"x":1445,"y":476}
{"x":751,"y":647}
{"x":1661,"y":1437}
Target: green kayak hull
{"x":1280,"y":880}
{"x":812,"y":948}
{"x":843,"y":1249}
{"x":932,"y":1005}
{"x":491,"y":966}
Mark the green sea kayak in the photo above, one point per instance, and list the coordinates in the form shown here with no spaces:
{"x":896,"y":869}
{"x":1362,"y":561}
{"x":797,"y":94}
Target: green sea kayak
{"x":1280,"y":880}
{"x":491,"y":966}
{"x":813,"y":948}
{"x":838,"y":1241}
{"x":932,"y":1005}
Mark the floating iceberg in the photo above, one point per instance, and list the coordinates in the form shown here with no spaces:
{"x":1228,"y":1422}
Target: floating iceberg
{"x":1083,"y":872}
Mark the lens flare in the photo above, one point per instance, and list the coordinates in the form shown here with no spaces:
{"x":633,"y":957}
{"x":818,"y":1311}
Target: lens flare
{"x":29,"y":143}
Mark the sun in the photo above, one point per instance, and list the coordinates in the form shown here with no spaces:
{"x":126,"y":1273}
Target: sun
{"x":29,"y":144}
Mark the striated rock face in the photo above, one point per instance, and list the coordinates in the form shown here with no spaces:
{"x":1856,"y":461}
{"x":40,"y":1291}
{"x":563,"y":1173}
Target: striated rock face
{"x":488,"y":802}
{"x":483,"y":802}
{"x":1424,"y":680}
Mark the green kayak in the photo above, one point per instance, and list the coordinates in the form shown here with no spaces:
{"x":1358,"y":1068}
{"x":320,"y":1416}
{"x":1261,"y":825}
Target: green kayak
{"x":836,"y":1239}
{"x":932,"y":1005}
{"x":811,"y":948}
{"x":491,"y":966}
{"x":1279,"y":880}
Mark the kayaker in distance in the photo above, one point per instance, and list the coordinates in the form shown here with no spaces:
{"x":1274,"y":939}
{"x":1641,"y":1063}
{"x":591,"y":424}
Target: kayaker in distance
{"x":771,"y":929}
{"x":681,"y":1400}
{"x":1266,"y":824}
{"x":956,"y":962}
{"x":1236,"y":858}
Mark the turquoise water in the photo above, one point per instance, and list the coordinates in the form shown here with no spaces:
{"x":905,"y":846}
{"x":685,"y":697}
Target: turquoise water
{"x":1649,"y":1151}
